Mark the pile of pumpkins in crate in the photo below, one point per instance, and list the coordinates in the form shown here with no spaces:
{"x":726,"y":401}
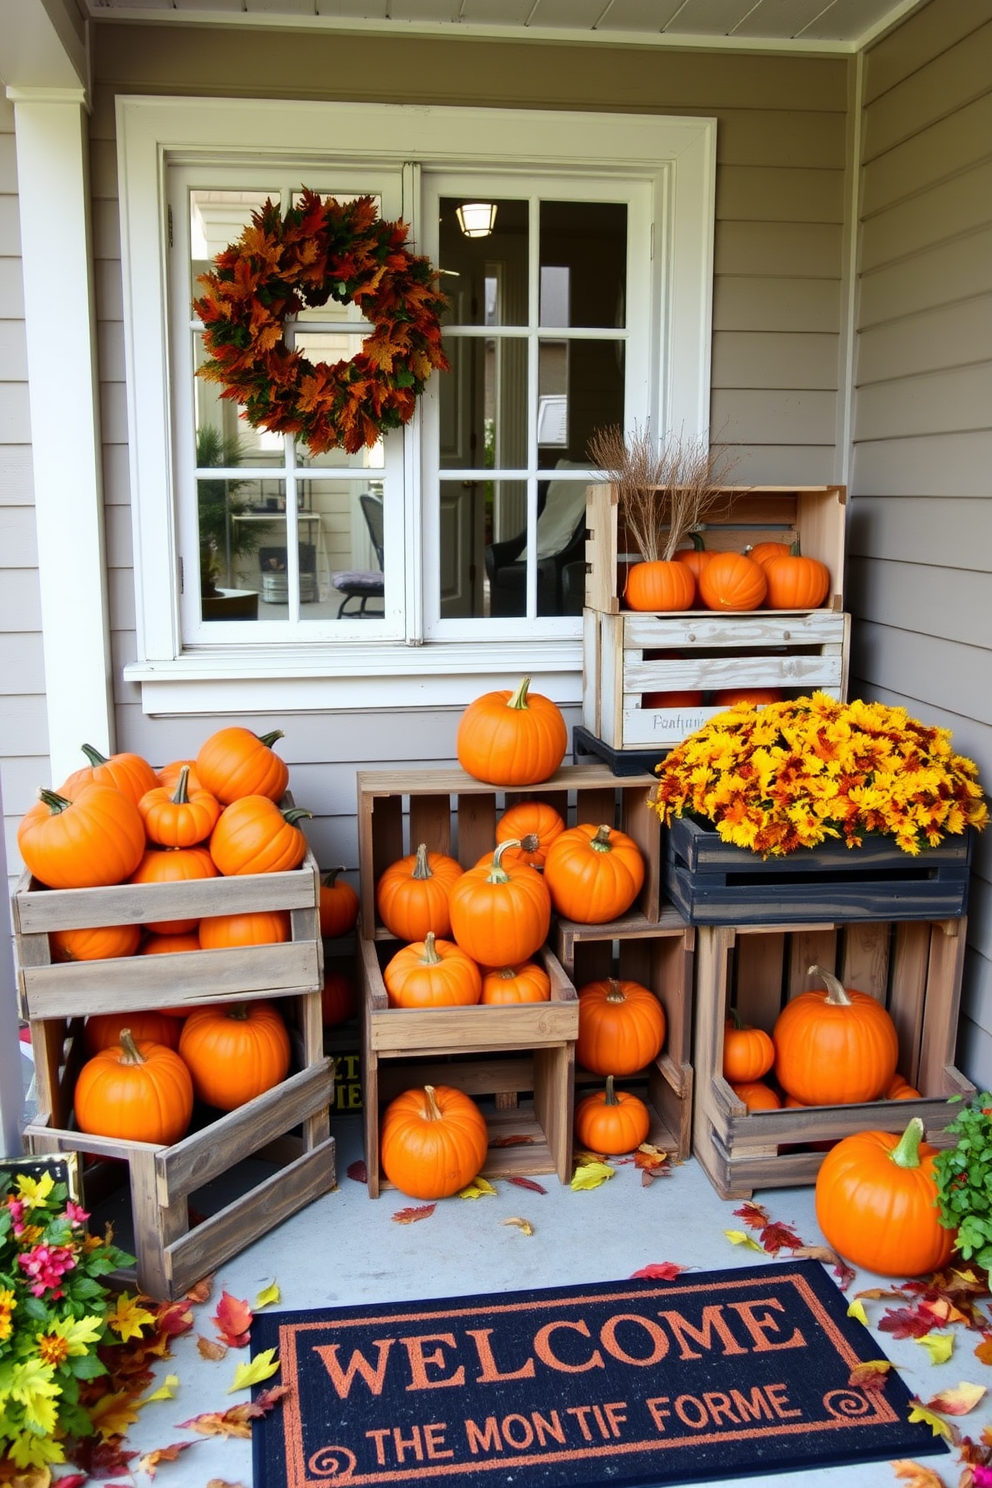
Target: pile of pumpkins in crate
{"x":471,"y":936}
{"x":118,"y":821}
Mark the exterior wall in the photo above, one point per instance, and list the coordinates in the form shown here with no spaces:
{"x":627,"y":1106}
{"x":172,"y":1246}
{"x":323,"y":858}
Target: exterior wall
{"x":781,"y":192}
{"x":920,"y":539}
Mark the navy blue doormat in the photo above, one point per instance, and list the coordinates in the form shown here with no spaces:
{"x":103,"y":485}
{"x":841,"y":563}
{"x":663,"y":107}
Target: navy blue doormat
{"x":711,"y":1375}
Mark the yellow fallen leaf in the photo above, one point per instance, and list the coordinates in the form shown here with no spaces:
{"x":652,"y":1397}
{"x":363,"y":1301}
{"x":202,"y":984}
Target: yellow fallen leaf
{"x":957,"y":1402}
{"x":591,"y":1175}
{"x":479,"y":1187}
{"x":919,"y":1412}
{"x":741,"y":1237}
{"x":521,"y":1224}
{"x":165,"y":1391}
{"x":856,"y":1310}
{"x":262,"y":1367}
{"x":917,"y":1476}
{"x":269,"y":1295}
{"x":940,"y":1346}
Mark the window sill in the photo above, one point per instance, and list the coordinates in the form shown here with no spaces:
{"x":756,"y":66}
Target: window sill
{"x":274,"y":680}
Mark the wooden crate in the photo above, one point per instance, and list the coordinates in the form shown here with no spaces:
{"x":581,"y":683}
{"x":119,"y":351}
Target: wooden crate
{"x":660,"y":957}
{"x":58,"y":990}
{"x":713,"y":882}
{"x":483,"y":1050}
{"x":913,"y":967}
{"x":627,"y":655}
{"x":455,"y":814}
{"x":743,"y":517}
{"x":171,"y":1256}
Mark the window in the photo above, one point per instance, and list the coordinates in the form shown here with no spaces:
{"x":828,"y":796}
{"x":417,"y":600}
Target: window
{"x":455,"y":546}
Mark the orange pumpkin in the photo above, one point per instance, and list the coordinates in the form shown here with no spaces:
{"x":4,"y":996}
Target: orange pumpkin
{"x":103,"y":1030}
{"x":500,"y":914}
{"x":168,"y":945}
{"x":834,"y":1047}
{"x":758,"y":696}
{"x":235,"y":1051}
{"x":795,"y":582}
{"x":129,"y":773}
{"x":135,"y":1093}
{"x":255,"y":927}
{"x":687,"y":699}
{"x":432,"y":973}
{"x":621,"y":1027}
{"x":594,"y":873}
{"x":661,"y":585}
{"x":900,"y":1089}
{"x":412,"y":894}
{"x":535,"y":825}
{"x":696,"y":557}
{"x":434,"y":1141}
{"x":338,"y":905}
{"x":169,"y":774}
{"x":102,"y":944}
{"x":763,"y":551}
{"x":527,"y":982}
{"x":91,"y":841}
{"x":173,"y":865}
{"x":234,"y":762}
{"x":180,"y":817}
{"x":756,"y":1095}
{"x":732,"y":581}
{"x":511,"y":738}
{"x":253,"y":835}
{"x":611,"y":1121}
{"x":748,"y":1053}
{"x":337,"y":998}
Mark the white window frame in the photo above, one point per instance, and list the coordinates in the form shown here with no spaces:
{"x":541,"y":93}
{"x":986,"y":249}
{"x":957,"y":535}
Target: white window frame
{"x":676,"y":155}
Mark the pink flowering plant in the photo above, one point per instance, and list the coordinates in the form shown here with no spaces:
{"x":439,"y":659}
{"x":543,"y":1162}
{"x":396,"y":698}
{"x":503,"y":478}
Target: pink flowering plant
{"x":55,"y":1313}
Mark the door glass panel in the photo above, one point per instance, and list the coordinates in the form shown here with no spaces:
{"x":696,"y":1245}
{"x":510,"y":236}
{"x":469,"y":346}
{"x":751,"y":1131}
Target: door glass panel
{"x":595,"y":392}
{"x":483,"y":403}
{"x":584,"y":263}
{"x":217,"y":219}
{"x":485,"y":278}
{"x":465,"y":514}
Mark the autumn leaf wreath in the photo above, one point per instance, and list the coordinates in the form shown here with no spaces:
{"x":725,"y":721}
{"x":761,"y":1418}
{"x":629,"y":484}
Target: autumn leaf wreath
{"x":317,"y":251}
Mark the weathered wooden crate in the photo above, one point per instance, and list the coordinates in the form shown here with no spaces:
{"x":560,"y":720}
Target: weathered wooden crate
{"x":288,"y":1125}
{"x":55,"y":990}
{"x":743,"y":517}
{"x":498,"y":1051}
{"x":626,"y":656}
{"x":455,"y":814}
{"x":913,"y":967}
{"x":716,"y":883}
{"x":660,"y":957}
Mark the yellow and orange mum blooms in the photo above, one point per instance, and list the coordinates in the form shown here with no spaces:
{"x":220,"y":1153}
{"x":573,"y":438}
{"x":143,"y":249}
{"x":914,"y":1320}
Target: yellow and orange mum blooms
{"x":795,"y":774}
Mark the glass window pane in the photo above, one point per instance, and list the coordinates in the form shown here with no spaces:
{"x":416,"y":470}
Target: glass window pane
{"x":464,"y":519}
{"x":217,"y":219}
{"x":595,"y":394}
{"x":236,"y":518}
{"x":584,"y":263}
{"x":485,"y":278}
{"x":483,"y":401}
{"x":552,"y":394}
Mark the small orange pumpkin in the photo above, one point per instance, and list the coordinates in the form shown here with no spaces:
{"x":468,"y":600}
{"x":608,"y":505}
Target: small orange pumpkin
{"x":180,"y":817}
{"x":834,"y":1047}
{"x":527,"y":982}
{"x":500,"y":914}
{"x":900,"y":1089}
{"x":796,"y":582}
{"x":169,"y":774}
{"x":622,"y":1027}
{"x":235,"y":1051}
{"x":594,"y":873}
{"x":432,"y":973}
{"x":434,"y":1141}
{"x":511,"y":738}
{"x":412,"y":894}
{"x":338,"y":905}
{"x":612,"y":1122}
{"x":135,"y":1093}
{"x":131,"y":774}
{"x":732,"y":581}
{"x":687,"y":699}
{"x":173,"y":865}
{"x":150,"y":1026}
{"x":696,"y":557}
{"x":659,"y":586}
{"x":168,"y":945}
{"x":748,"y":1053}
{"x":756,"y":1095}
{"x":255,"y":927}
{"x":234,"y":762}
{"x":253,"y":835}
{"x":93,"y":840}
{"x":337,"y":998}
{"x":758,"y":696}
{"x":764,"y":551}
{"x":102,"y":944}
{"x":535,"y":825}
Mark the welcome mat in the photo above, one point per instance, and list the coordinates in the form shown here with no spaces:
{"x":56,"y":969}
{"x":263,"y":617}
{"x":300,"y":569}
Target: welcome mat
{"x":719,"y":1374}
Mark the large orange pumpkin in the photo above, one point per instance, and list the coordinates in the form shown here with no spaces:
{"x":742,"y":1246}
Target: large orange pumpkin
{"x":500,"y":915}
{"x":412,"y":894}
{"x":763,"y":551}
{"x":129,"y":773}
{"x":338,"y":905}
{"x":432,"y":973}
{"x":253,"y":835}
{"x":173,"y":865}
{"x":732,"y":581}
{"x":511,"y":738}
{"x":103,"y":943}
{"x":235,"y":1051}
{"x":621,"y":1027}
{"x":611,"y":1121}
{"x":594,"y":873}
{"x":94,"y":840}
{"x":255,"y":927}
{"x":180,"y":817}
{"x":434,"y":1141}
{"x":876,"y":1203}
{"x":135,"y":1093}
{"x":660,"y":585}
{"x":527,"y":982}
{"x":234,"y":762}
{"x":834,"y":1047}
{"x":535,"y":825}
{"x":795,"y":582}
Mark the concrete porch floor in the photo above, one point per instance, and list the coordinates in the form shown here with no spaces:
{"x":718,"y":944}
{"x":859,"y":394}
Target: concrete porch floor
{"x":345,"y":1248}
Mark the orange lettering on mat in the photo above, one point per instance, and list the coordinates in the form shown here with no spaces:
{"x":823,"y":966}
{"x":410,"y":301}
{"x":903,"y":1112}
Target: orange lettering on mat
{"x":543,"y":1350}
{"x":419,"y":1362}
{"x":490,"y":1371}
{"x":343,"y":1379}
{"x":712,"y":1321}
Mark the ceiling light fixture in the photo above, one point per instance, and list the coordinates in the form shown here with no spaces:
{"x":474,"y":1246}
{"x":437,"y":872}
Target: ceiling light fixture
{"x":476,"y":219}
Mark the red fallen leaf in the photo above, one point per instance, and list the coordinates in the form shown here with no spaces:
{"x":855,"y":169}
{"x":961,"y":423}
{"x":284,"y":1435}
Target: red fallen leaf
{"x":233,"y":1318}
{"x":72,"y":1480}
{"x":844,"y":1273}
{"x":411,"y":1215}
{"x":870,"y":1375}
{"x":174,"y":1318}
{"x":905,"y":1322}
{"x":776,"y":1236}
{"x":236,"y":1421}
{"x":660,"y":1270}
{"x":527,"y":1183}
{"x":101,"y":1459}
{"x":755,"y":1216}
{"x":518,"y":1141}
{"x":151,"y":1461}
{"x":358,"y":1171}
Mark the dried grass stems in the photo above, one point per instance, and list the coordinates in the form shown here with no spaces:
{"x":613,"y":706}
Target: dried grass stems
{"x":666,"y":490}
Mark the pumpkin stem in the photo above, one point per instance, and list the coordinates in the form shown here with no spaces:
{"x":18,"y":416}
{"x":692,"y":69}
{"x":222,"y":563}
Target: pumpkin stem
{"x":530,"y":842}
{"x":93,"y":755}
{"x":601,"y":841}
{"x":430,"y":956}
{"x":610,"y":1098}
{"x":906,"y":1153}
{"x":696,"y":538}
{"x":55,"y":803}
{"x":131,"y":1053}
{"x":422,"y":868}
{"x":836,"y":994}
{"x":497,"y":873}
{"x":794,"y":548}
{"x":180,"y":796}
{"x":269,"y":739}
{"x":433,"y":1110}
{"x":519,"y":698}
{"x":293,"y":814}
{"x":329,"y":879}
{"x":736,"y":1019}
{"x":615,"y":994}
{"x":239,"y":1011}
{"x":509,"y":972}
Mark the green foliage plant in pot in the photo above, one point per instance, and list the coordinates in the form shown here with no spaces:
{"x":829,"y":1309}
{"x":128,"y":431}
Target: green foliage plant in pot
{"x":218,"y":502}
{"x":964,"y":1180}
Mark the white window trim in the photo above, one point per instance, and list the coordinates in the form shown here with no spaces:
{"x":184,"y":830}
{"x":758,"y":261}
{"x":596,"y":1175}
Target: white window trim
{"x":678,"y":154}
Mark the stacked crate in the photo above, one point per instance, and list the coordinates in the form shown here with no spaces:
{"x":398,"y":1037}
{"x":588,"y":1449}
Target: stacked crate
{"x":171,"y":1255}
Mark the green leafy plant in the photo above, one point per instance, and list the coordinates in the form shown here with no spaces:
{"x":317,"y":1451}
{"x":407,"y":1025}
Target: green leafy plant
{"x":964,"y":1180}
{"x":217,"y":502}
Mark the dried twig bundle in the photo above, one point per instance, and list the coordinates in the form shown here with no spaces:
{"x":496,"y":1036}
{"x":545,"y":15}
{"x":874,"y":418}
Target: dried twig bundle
{"x":664,"y":492}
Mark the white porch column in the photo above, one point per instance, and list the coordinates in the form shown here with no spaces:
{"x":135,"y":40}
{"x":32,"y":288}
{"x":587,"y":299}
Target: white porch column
{"x":60,"y":323}
{"x":11,"y":1079}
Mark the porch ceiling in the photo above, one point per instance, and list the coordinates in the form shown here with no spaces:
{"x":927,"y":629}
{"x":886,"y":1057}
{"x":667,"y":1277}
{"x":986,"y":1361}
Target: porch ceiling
{"x":794,"y":25}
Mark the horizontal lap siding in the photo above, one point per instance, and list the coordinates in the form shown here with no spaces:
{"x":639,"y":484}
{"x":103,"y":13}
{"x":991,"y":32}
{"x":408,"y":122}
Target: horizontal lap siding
{"x":920,"y":533}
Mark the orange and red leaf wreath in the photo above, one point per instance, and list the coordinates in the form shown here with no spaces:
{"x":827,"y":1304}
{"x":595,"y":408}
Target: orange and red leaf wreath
{"x":315,"y":252}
